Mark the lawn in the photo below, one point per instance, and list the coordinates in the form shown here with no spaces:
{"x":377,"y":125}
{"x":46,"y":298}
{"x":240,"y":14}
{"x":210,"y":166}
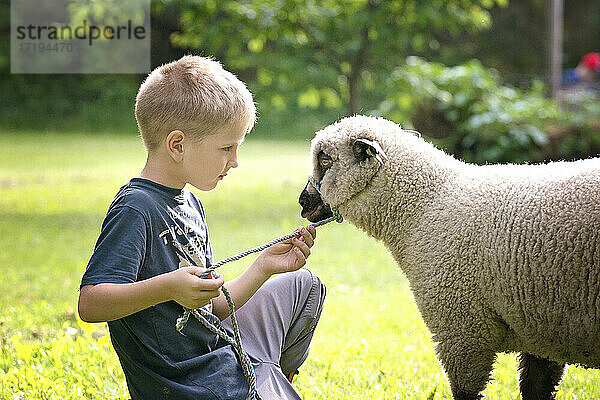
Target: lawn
{"x":54,"y":191}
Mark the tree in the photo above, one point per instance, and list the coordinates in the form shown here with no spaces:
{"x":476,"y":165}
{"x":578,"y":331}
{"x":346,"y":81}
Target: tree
{"x":323,"y":52}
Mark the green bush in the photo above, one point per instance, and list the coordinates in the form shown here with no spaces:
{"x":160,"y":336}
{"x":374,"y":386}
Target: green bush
{"x":69,"y":102}
{"x":578,"y":135}
{"x":466,"y":110}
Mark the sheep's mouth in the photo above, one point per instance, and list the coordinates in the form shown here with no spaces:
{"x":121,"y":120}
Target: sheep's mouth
{"x":322,"y":211}
{"x":313,"y":207}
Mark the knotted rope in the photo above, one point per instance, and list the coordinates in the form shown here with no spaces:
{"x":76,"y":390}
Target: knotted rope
{"x":205,"y":317}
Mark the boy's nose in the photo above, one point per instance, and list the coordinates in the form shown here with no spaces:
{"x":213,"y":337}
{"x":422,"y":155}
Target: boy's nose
{"x":234,"y":162}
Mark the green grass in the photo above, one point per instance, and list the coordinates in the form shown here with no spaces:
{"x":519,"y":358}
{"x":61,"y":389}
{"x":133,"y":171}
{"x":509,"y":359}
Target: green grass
{"x":54,"y":191}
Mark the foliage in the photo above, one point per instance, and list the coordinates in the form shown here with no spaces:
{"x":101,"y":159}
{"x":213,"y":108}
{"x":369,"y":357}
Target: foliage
{"x":322,"y":52}
{"x":518,"y":40}
{"x":477,"y":118}
{"x":69,"y":102}
{"x":290,"y":66}
{"x":72,"y":102}
{"x":579,"y":134}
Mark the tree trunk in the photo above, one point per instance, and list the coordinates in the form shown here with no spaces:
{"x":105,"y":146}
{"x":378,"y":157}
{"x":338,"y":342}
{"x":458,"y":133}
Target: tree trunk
{"x":358,"y":64}
{"x":353,"y":83}
{"x":555,"y":44}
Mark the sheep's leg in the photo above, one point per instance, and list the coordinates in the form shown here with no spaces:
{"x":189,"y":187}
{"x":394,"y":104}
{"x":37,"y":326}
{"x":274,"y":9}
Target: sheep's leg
{"x":538,"y":377}
{"x":468,"y":368}
{"x":459,"y":394}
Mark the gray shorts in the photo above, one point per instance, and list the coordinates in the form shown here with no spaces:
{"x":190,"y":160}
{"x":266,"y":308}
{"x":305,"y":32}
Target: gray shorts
{"x":277,"y":325}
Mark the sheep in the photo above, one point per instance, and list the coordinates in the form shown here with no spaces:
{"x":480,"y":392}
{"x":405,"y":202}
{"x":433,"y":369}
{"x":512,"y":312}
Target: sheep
{"x":500,"y":258}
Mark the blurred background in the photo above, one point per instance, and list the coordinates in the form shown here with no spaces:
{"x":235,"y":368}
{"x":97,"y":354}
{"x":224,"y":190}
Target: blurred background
{"x":474,"y":76}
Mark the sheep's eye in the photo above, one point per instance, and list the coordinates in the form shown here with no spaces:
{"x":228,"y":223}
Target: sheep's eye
{"x":325,"y":162}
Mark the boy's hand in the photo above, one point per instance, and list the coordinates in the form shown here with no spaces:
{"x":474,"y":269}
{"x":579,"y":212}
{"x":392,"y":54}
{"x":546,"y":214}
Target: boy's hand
{"x":190,"y":290}
{"x":289,"y":255}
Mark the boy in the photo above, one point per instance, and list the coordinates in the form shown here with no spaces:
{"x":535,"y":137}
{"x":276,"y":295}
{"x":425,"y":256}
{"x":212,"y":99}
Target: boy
{"x":193,"y":115}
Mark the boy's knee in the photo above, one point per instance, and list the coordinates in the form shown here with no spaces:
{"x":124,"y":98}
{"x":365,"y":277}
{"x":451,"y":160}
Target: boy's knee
{"x":316,"y":291}
{"x":311,"y":280}
{"x":311,"y":291}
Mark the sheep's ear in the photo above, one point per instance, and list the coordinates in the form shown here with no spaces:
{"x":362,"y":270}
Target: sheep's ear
{"x":415,"y":133}
{"x":364,"y":149}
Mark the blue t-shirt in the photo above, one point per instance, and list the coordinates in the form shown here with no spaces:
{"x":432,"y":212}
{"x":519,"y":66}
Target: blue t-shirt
{"x":151,"y":229}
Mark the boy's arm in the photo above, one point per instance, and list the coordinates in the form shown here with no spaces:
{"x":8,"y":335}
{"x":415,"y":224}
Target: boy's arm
{"x":110,"y":301}
{"x":286,"y":256}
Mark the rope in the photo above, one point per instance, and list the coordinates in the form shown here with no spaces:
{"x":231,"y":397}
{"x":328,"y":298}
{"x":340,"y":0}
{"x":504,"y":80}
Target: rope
{"x":204,"y":316}
{"x":236,"y":342}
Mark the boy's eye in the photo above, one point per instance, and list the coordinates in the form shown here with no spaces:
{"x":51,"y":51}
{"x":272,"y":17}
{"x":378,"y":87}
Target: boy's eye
{"x":228,"y":148}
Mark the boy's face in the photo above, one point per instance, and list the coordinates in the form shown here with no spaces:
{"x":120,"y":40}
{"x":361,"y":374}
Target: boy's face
{"x":206,"y":162}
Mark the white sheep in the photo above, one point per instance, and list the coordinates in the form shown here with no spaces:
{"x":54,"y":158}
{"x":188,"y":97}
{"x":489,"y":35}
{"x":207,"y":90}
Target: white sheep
{"x":500,"y":258}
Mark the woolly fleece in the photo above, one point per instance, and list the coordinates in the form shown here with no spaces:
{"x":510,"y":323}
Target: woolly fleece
{"x":500,"y":258}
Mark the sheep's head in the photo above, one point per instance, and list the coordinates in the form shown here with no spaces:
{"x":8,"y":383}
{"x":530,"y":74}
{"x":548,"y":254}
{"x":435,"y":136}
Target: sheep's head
{"x":346,"y":157}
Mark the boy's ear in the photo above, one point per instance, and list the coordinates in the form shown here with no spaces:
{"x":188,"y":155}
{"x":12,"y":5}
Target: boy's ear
{"x":174,"y":143}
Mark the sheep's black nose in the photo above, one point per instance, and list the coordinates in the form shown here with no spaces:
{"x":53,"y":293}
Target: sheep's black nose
{"x":306,"y":202}
{"x":313,"y":207}
{"x":303,"y":200}
{"x":309,"y":202}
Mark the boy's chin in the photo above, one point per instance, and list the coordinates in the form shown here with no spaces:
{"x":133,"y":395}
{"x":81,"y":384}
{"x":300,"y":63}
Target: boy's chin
{"x":206,"y":187}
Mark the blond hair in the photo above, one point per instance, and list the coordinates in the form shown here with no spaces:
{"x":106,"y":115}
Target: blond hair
{"x":193,"y":94}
